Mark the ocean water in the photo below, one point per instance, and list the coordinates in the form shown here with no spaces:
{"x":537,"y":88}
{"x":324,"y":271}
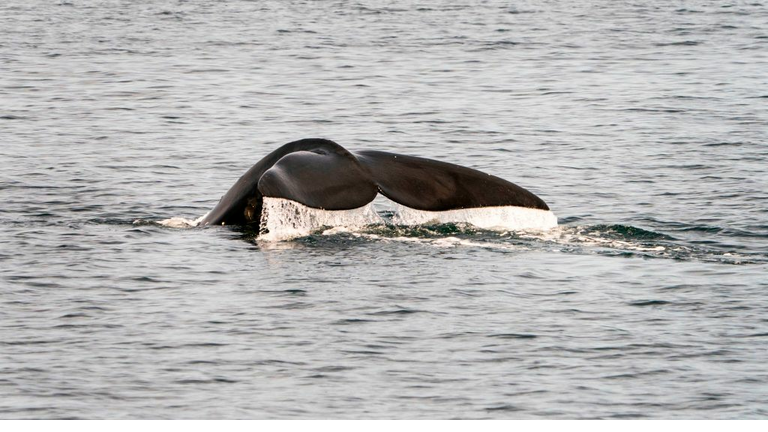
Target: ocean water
{"x":643,"y":125}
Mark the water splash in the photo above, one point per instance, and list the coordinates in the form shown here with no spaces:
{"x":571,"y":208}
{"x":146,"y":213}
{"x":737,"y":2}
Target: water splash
{"x":491,"y":218}
{"x":283,"y":219}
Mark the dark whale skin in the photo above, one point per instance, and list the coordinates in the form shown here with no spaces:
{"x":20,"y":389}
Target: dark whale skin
{"x":321,"y":174}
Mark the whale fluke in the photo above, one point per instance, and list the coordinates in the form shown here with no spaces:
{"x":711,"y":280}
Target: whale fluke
{"x":321,"y":174}
{"x":426,"y":184}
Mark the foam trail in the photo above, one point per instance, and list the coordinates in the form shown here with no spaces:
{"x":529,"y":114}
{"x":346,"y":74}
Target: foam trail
{"x":445,"y":242}
{"x":576,"y":235}
{"x":492,"y":218}
{"x":283,"y":219}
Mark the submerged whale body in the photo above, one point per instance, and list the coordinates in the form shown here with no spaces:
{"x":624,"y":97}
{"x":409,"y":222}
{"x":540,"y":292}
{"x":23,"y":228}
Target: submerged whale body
{"x":321,"y":174}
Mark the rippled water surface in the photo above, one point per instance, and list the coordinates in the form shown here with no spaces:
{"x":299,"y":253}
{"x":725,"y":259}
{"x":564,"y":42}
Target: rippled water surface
{"x":644,"y":126}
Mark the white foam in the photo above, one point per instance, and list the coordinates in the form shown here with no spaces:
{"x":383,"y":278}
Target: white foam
{"x":180,"y":222}
{"x":506,"y":218}
{"x":283,"y":219}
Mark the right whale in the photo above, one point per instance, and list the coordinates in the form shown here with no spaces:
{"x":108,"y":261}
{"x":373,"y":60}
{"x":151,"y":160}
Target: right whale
{"x":321,"y":174}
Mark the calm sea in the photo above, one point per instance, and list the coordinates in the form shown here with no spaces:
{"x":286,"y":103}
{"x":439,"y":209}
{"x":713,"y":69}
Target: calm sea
{"x":643,"y":125}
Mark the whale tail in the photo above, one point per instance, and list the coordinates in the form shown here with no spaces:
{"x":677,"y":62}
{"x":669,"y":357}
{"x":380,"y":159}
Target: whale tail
{"x":321,"y":174}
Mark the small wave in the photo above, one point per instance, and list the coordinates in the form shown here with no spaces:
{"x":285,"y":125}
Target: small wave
{"x":681,"y":43}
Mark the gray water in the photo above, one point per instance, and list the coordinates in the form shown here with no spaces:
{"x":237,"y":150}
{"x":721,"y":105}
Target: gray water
{"x":643,"y":125}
